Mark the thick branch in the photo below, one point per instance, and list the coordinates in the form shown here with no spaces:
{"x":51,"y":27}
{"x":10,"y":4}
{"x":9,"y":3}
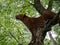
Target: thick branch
{"x":48,"y":26}
{"x":57,"y":15}
{"x":39,"y":7}
{"x":50,"y":5}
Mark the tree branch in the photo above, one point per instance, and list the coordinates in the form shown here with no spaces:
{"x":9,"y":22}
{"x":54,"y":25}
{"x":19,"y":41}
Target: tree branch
{"x":48,"y":25}
{"x":50,"y":5}
{"x":57,"y":15}
{"x":39,"y":7}
{"x":52,"y":39}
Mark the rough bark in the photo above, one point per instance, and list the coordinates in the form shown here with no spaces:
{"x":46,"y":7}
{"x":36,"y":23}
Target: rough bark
{"x":38,"y":36}
{"x":39,"y":7}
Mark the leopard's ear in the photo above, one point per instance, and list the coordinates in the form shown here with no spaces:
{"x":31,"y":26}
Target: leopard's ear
{"x":19,"y":16}
{"x":23,"y":15}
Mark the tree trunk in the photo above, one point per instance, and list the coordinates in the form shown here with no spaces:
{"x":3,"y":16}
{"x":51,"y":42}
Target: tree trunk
{"x":38,"y":36}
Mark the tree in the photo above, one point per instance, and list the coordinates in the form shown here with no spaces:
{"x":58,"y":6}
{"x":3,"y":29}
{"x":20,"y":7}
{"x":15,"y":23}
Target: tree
{"x":40,"y":26}
{"x":14,"y":32}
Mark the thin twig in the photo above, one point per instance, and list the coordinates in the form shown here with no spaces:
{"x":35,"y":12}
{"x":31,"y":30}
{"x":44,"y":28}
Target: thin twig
{"x":52,"y":39}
